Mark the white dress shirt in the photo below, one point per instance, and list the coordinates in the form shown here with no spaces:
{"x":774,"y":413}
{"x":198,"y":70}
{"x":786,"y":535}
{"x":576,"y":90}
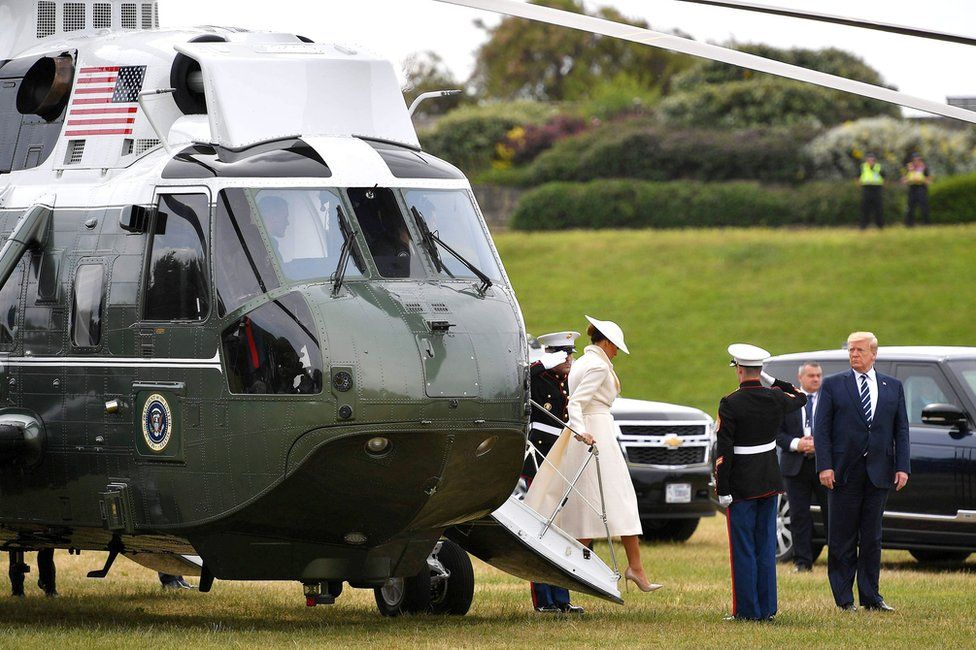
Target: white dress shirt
{"x":806,"y":426}
{"x":872,"y":387}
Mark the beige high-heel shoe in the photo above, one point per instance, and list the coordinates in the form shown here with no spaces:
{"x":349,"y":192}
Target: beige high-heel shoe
{"x":643,"y":586}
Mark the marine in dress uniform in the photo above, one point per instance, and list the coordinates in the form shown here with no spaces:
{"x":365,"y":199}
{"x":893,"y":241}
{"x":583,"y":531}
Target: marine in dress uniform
{"x":548,"y":387}
{"x":748,"y":480}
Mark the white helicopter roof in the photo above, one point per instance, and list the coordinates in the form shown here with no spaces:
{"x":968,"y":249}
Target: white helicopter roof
{"x":311,"y":89}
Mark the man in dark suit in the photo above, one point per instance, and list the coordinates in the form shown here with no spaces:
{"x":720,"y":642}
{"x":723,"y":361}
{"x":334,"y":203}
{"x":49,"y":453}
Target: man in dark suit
{"x":861,"y":435}
{"x":799,"y":467}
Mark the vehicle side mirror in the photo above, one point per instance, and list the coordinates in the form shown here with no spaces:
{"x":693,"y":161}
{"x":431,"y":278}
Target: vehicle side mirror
{"x":946,"y":415}
{"x":135,"y":218}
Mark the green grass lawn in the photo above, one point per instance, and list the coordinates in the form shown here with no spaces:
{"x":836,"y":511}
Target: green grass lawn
{"x":683,"y":296}
{"x":936,"y":608}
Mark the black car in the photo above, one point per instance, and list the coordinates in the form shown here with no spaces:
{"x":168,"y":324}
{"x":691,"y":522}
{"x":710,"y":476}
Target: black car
{"x":668,"y":449}
{"x":934,"y":517}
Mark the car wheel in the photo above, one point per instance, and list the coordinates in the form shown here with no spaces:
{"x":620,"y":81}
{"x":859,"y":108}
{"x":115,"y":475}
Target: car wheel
{"x":929,"y":555}
{"x":669,"y":530}
{"x":784,"y":536}
{"x":452,"y":593}
{"x":404,"y":595}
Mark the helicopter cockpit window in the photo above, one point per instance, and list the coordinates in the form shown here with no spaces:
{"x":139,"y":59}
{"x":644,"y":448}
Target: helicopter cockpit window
{"x":451,"y":216}
{"x":274,"y":350}
{"x":242,"y":267}
{"x":86,"y":308}
{"x":386,"y":233}
{"x":304,"y":232}
{"x":176,"y":282}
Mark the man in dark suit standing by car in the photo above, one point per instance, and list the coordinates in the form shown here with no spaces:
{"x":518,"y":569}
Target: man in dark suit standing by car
{"x":861,"y":436}
{"x":797,"y":464}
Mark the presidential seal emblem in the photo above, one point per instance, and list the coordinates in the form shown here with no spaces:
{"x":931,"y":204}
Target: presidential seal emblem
{"x":157,"y":422}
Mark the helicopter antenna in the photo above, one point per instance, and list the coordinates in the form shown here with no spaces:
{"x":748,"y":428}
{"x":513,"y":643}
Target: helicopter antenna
{"x":152,"y":122}
{"x":431,"y":95}
{"x":839,"y":20}
{"x":674,"y":43}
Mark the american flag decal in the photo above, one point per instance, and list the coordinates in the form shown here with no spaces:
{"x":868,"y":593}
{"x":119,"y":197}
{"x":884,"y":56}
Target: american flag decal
{"x":105,"y":101}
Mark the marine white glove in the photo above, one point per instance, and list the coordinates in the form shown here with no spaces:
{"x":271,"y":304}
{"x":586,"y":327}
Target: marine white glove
{"x":766,"y":379}
{"x":725,"y":500}
{"x":552,"y":359}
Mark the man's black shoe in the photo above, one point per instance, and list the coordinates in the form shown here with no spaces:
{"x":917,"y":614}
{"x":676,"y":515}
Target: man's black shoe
{"x":17,"y":594}
{"x":849,"y":607}
{"x":569,"y":608}
{"x":802,"y":567}
{"x":880,"y":606}
{"x":548,"y":609}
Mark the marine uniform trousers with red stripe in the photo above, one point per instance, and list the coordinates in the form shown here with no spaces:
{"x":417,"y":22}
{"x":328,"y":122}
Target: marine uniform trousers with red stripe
{"x":752,"y":542}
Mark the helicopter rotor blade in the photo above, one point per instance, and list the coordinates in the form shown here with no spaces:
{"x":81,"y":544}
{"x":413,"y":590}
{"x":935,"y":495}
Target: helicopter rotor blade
{"x":713,"y":52}
{"x":838,"y":20}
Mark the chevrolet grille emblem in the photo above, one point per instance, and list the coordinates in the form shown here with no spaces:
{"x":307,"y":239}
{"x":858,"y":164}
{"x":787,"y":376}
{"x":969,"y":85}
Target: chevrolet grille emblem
{"x":673,"y":441}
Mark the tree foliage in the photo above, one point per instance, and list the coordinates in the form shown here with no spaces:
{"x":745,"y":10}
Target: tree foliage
{"x":717,"y":94}
{"x":427,"y":72}
{"x":529,"y":60}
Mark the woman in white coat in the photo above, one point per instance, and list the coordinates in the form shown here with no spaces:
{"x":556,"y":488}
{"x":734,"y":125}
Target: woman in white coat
{"x":593,"y":386}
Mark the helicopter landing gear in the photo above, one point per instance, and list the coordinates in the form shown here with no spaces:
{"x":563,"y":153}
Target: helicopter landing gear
{"x":444,"y":586}
{"x":322,"y":593}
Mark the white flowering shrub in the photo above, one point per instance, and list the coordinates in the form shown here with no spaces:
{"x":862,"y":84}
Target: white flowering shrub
{"x":839,"y":152}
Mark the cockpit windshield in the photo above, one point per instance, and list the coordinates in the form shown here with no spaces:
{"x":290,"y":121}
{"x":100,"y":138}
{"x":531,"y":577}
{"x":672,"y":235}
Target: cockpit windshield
{"x":386,"y":233}
{"x":303,"y":230}
{"x":451,"y":216}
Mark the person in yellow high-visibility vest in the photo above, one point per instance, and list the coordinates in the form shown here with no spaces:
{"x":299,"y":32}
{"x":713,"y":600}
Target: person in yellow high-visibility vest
{"x":872,"y":188}
{"x":917,"y":178}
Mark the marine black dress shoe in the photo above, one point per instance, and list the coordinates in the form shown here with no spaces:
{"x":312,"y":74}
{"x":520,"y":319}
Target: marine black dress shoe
{"x":849,"y":607}
{"x":548,"y":609}
{"x":569,"y":608}
{"x":802,"y":567}
{"x":880,"y":606}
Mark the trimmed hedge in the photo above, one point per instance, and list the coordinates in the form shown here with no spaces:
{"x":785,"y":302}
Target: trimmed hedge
{"x":683,"y":204}
{"x":467,"y":137}
{"x":953,"y":200}
{"x":643,"y":151}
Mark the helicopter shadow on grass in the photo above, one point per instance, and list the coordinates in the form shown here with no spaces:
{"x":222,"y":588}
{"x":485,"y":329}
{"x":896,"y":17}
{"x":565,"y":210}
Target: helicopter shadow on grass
{"x":142,"y":611}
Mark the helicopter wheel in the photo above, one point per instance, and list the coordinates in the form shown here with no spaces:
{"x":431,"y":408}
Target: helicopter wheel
{"x":452,"y":590}
{"x":404,"y":595}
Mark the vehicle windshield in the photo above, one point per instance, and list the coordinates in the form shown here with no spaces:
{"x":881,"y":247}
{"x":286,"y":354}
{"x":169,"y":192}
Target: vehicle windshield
{"x":302,"y":227}
{"x":966,"y":371}
{"x":386,"y":233}
{"x":451,"y":216}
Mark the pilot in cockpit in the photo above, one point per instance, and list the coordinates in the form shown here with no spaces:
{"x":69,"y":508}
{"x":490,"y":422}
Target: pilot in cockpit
{"x":277,"y":220}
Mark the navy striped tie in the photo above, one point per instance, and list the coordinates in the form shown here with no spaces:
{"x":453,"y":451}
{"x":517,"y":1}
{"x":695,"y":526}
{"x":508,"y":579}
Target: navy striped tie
{"x":866,"y":399}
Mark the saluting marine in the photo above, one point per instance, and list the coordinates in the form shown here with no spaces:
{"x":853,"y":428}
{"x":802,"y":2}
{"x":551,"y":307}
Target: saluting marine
{"x":748,"y":479}
{"x":549,"y":389}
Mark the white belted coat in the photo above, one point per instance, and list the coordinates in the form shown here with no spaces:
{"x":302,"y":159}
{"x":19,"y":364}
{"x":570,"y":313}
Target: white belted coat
{"x":593,"y":386}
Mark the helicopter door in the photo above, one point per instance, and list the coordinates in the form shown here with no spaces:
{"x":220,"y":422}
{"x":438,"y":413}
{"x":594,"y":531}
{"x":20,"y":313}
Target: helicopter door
{"x":515,"y":539}
{"x":179,"y":350}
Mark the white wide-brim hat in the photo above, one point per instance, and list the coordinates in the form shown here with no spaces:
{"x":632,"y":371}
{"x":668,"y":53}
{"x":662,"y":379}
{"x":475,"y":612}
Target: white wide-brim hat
{"x":610,"y":330}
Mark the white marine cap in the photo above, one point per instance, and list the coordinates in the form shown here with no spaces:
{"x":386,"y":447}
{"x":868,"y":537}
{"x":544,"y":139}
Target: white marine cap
{"x":558,"y":340}
{"x":610,"y":330}
{"x":747,"y":356}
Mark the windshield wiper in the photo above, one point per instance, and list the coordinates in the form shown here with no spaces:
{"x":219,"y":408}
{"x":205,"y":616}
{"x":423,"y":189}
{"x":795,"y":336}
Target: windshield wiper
{"x":431,"y":241}
{"x":349,"y":240}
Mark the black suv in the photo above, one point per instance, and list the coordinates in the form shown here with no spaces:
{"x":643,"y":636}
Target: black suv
{"x":934,"y":517}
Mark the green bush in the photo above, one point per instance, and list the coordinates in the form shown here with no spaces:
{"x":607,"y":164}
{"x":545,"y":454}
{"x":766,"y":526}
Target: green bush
{"x":953,"y":200}
{"x":683,"y":204}
{"x":641,"y":150}
{"x":468,"y":136}
{"x":768,"y":102}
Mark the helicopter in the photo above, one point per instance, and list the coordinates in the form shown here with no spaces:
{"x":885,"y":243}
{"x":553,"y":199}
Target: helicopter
{"x":249,"y":329}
